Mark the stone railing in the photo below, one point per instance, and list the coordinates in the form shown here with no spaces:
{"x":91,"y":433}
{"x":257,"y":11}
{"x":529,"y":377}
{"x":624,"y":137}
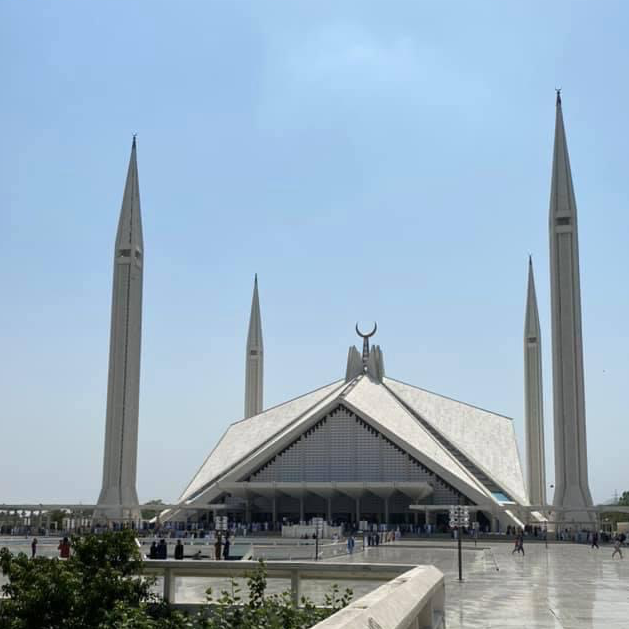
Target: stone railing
{"x":295,"y":571}
{"x":414,"y":600}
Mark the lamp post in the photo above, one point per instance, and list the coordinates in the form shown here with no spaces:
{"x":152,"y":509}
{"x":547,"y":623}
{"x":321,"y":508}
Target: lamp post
{"x":318,"y":524}
{"x":459,"y":519}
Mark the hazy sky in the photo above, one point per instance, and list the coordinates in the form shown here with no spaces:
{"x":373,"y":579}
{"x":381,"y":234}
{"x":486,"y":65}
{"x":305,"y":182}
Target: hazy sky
{"x":383,"y":161}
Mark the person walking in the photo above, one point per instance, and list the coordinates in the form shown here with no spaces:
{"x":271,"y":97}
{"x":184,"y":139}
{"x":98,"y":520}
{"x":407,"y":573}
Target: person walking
{"x":516,"y":546}
{"x":217,"y":546}
{"x":595,"y":540}
{"x":33,"y":548}
{"x":519,"y":545}
{"x":617,"y":544}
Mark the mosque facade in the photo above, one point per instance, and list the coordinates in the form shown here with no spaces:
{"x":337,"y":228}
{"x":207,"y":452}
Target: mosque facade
{"x":367,"y":446}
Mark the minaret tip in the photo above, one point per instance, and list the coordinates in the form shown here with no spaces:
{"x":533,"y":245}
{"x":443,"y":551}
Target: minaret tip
{"x":558,"y":90}
{"x":135,"y":135}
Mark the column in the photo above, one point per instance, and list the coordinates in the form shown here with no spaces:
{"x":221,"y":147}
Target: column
{"x":329,"y":501}
{"x":386,"y":511}
{"x":357,"y":511}
{"x":301,"y":508}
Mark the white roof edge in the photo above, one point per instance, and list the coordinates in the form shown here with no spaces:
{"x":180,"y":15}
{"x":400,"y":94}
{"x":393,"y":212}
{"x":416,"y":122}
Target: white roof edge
{"x":446,"y":397}
{"x":341,"y":383}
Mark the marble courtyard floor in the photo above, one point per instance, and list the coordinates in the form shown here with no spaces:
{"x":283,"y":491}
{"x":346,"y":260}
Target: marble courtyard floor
{"x":566,"y":586}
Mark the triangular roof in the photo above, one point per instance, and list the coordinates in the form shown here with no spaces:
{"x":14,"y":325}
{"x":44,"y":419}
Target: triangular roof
{"x":485,"y":438}
{"x":248,"y":435}
{"x":375,"y":404}
{"x":472,"y":449}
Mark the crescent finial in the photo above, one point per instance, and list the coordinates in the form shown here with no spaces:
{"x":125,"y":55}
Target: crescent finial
{"x":366,"y":336}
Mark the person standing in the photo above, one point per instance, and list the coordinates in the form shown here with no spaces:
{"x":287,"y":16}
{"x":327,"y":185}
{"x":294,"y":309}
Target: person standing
{"x":617,"y":544}
{"x":64,"y":548}
{"x":217,"y":546}
{"x":33,"y":548}
{"x":179,"y":550}
{"x":226,"y":547}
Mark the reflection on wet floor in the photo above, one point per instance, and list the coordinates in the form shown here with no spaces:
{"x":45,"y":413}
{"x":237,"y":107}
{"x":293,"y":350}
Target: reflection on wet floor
{"x":565,"y":586}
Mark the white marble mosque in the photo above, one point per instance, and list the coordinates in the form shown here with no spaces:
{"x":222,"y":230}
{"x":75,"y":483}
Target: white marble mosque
{"x":367,"y":446}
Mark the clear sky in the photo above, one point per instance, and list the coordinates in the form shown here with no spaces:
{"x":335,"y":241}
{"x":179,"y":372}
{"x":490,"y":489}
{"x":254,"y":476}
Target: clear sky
{"x":384,"y":161}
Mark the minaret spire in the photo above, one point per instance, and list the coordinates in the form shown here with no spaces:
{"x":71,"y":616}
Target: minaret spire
{"x":254,"y":361}
{"x":571,"y":473}
{"x":118,"y":495}
{"x":533,"y":398}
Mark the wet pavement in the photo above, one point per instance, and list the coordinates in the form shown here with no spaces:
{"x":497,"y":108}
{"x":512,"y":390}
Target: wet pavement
{"x":566,"y":586}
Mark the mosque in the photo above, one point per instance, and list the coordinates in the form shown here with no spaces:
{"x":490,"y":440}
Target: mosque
{"x":367,"y":447}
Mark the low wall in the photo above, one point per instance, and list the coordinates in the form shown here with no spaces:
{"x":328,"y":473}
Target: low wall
{"x":414,"y":600}
{"x":299,"y":530}
{"x":296,"y":571}
{"x":413,"y":597}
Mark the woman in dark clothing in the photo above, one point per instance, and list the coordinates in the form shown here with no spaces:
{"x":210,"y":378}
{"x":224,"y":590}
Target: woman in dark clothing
{"x":226,"y":547}
{"x":179,"y":550}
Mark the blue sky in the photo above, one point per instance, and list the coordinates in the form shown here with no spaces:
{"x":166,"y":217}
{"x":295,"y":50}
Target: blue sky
{"x":383,"y":161}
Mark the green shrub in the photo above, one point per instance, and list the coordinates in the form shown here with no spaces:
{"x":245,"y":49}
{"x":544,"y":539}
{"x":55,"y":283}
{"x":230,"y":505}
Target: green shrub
{"x":101,"y":587}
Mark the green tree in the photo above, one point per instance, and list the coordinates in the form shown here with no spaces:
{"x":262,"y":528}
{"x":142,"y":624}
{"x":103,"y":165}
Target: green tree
{"x":99,"y":586}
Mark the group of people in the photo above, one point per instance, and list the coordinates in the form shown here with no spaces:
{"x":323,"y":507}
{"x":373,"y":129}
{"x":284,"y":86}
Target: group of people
{"x":221,"y":549}
{"x":159,"y":550}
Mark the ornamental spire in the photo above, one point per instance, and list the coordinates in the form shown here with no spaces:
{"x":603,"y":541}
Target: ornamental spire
{"x":571,"y":472}
{"x":533,"y":399}
{"x":254,"y":361}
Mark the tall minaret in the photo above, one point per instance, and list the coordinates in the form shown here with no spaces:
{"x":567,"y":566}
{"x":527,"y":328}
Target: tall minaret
{"x":533,"y":398}
{"x":571,"y":473}
{"x":118,"y":494}
{"x":254,"y":362}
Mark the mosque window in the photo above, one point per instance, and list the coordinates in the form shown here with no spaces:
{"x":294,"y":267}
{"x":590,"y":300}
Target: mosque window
{"x":124,"y":253}
{"x":563,"y":220}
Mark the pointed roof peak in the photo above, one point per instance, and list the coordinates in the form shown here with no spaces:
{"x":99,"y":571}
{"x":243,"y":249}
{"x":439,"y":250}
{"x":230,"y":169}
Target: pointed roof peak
{"x":531,"y":318}
{"x":254,"y":337}
{"x":558,"y":90}
{"x":130,"y":222}
{"x":562,"y":201}
{"x":135,"y":135}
